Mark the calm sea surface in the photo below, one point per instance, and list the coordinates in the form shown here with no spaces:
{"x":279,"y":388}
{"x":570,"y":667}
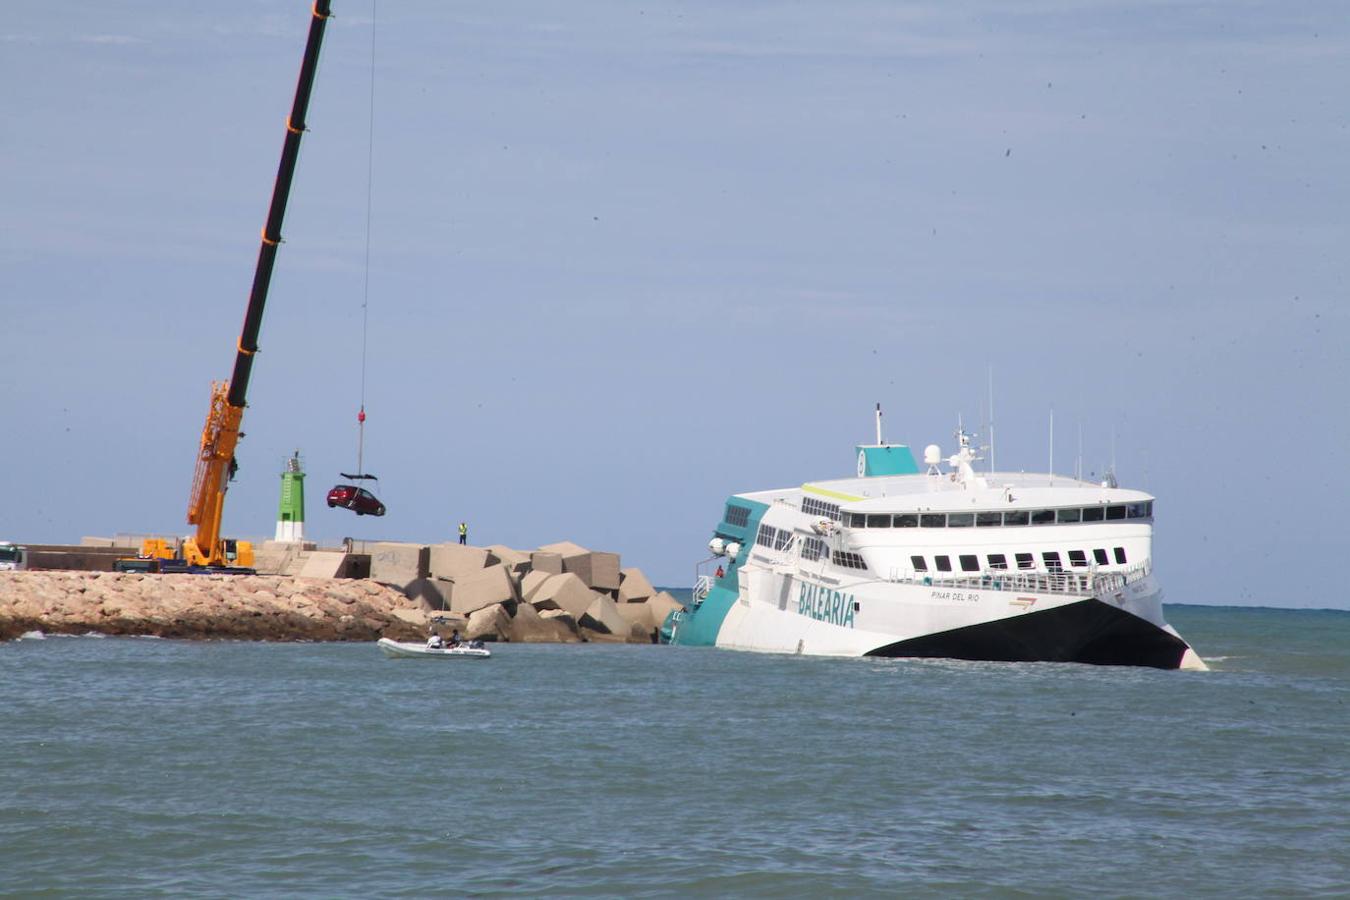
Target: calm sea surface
{"x":135,"y":767}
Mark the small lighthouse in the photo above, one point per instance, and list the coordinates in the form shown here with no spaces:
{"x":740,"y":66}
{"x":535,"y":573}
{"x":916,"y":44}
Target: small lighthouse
{"x":291,"y":512}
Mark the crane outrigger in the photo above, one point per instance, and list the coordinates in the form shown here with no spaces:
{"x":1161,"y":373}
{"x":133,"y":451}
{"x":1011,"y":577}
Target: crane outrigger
{"x":216,"y":465}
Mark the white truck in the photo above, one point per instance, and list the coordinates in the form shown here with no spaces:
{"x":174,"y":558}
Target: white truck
{"x":12,"y":556}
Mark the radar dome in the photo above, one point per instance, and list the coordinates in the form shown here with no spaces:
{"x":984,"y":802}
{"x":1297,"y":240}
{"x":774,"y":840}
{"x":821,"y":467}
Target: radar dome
{"x":932,"y":455}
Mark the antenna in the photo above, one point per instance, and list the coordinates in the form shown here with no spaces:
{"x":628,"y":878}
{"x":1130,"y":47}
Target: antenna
{"x":878,"y":424}
{"x":992,"y":468}
{"x":1078,"y":467}
{"x":1052,"y":445}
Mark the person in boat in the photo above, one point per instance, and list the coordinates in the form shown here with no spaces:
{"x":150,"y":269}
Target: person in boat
{"x":434,"y":642}
{"x":454,"y":638}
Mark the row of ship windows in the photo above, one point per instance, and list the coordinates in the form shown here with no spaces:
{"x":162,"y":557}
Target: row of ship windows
{"x":773,"y":538}
{"x":814,"y":506}
{"x":737,"y":515}
{"x":1074,"y":514}
{"x":970,"y":562}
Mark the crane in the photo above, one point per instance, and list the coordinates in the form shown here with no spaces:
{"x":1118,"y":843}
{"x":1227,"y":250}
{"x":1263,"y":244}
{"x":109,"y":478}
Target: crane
{"x":216,"y":463}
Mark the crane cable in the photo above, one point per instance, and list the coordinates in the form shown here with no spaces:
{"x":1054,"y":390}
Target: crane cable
{"x":365,"y":298}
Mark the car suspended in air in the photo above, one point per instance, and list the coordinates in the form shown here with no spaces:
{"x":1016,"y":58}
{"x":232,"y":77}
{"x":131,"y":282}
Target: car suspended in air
{"x":357,"y":499}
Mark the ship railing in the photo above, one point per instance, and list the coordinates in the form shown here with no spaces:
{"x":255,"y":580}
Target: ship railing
{"x":1066,"y":581}
{"x":702,"y":587}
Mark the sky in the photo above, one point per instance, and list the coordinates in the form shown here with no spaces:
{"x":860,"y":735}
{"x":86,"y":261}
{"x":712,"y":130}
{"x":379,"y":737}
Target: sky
{"x":626,"y":259}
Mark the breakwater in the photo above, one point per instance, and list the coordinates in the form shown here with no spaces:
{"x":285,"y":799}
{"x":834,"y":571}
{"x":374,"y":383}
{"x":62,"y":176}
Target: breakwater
{"x":559,"y":594}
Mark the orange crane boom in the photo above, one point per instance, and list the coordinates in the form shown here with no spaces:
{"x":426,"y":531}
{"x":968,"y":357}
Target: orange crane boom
{"x":215,"y":460}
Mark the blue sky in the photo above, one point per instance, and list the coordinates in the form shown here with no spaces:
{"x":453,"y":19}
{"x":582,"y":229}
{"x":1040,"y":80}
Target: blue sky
{"x":627,"y":259}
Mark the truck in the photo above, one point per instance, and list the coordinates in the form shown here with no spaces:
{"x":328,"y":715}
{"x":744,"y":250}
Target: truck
{"x":12,"y":557}
{"x":206,"y":550}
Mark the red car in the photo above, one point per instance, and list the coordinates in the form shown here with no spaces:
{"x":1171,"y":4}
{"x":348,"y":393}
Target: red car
{"x":358,"y":500}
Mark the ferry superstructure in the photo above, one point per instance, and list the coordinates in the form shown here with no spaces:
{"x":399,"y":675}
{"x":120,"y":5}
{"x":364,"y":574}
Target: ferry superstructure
{"x":944,"y":562}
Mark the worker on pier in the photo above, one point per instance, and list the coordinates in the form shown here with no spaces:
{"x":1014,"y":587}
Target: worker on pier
{"x":463,"y":533}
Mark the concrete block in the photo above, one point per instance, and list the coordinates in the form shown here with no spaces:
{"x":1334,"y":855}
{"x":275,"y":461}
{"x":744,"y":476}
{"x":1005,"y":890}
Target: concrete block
{"x":575,"y":559}
{"x":398,"y":564}
{"x":530,"y":583}
{"x":322,"y":564}
{"x":529,"y":627}
{"x":634,"y":586}
{"x":636,"y":614}
{"x":518,"y":561}
{"x":604,"y":570}
{"x":429,"y":594}
{"x":560,"y":615}
{"x":603,"y":616}
{"x":566,"y":592}
{"x":450,"y":561}
{"x":484,"y":588}
{"x":564,"y":549}
{"x":491,"y":623}
{"x":548,"y":563}
{"x":661,"y":606}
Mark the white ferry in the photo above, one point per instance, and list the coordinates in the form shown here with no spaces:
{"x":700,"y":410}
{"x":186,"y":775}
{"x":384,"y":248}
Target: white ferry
{"x":945,"y":562}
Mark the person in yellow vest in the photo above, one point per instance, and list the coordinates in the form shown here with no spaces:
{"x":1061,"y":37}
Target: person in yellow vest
{"x":463,"y":533}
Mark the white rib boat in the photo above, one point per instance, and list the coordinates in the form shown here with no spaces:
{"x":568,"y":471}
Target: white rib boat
{"x":404,"y":650}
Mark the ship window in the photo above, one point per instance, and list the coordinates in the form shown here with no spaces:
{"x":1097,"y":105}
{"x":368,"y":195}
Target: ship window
{"x":848,"y":560}
{"x":1100,"y":556}
{"x":933,"y":520}
{"x":813,"y":548}
{"x":1093,"y":513}
{"x":970,"y":562}
{"x":919,"y":563}
{"x":1078,"y":559}
{"x":814,"y":506}
{"x":767,"y":535}
{"x":944,"y":563}
{"x":1026,"y":561}
{"x":782,"y":539}
{"x":737,"y":515}
{"x":1043,"y":517}
{"x":998,"y":561}
{"x":1115,"y":512}
{"x":908,"y":520}
{"x":879,"y":521}
{"x":1139,"y":511}
{"x":1051,"y":558}
{"x":1070,"y":515}
{"x":960,"y":520}
{"x":985,"y":519}
{"x":1120,"y":555}
{"x":1015,"y":518}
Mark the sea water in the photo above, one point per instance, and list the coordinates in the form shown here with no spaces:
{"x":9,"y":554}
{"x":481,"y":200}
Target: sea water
{"x":135,"y":767}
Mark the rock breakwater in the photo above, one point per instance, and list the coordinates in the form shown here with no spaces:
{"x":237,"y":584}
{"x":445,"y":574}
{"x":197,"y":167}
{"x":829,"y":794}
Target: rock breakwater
{"x":268,"y":608}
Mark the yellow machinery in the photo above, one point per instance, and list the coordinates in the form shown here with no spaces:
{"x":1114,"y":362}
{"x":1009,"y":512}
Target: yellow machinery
{"x":216,"y":465}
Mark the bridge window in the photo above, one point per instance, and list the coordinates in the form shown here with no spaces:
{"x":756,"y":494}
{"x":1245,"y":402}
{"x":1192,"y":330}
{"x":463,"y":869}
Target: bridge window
{"x":933,"y":520}
{"x":1100,"y":556}
{"x":1043,"y":517}
{"x":1051,"y":558}
{"x":985,"y":519}
{"x":1115,"y":512}
{"x":878,"y":521}
{"x":998,"y":561}
{"x":1093,"y":513}
{"x":919,"y":563}
{"x":737,"y":515}
{"x":1120,"y":555}
{"x":1018,"y":517}
{"x":1070,"y":515}
{"x":1026,"y":561}
{"x":813,"y":548}
{"x":782,"y":539}
{"x":960,"y":520}
{"x":907,"y":520}
{"x":1078,"y":559}
{"x":970,"y":562}
{"x":1139,"y":510}
{"x":944,"y":563}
